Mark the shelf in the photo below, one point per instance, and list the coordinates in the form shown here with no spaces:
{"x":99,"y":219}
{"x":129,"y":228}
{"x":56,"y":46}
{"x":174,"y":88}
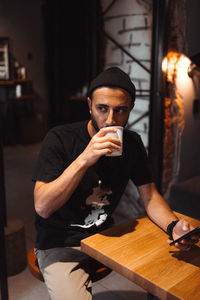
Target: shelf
{"x":6,"y":82}
{"x":14,"y":81}
{"x":23,"y":97}
{"x":22,"y":80}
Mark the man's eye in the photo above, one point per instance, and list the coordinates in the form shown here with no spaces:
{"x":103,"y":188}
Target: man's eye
{"x":120,"y":110}
{"x":102,"y":109}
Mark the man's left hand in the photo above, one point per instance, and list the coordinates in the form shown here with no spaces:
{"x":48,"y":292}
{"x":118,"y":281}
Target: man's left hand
{"x":181,"y":228}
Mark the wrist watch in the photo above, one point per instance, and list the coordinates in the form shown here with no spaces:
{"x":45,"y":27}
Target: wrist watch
{"x":170,"y":228}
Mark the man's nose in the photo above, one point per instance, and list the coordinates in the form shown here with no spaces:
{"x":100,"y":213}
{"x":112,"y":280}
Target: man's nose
{"x":111,"y":119}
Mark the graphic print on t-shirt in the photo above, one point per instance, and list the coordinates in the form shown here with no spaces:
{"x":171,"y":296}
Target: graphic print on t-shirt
{"x":97,"y":200}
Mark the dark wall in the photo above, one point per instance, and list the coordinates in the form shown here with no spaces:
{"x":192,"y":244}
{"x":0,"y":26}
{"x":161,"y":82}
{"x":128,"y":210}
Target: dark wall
{"x":22,"y":22}
{"x":190,"y":142}
{"x":192,"y":27}
{"x":71,"y":31}
{"x":57,"y":42}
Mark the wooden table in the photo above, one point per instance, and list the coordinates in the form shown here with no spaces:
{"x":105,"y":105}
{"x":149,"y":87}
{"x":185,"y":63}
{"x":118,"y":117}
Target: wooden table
{"x":137,"y":249}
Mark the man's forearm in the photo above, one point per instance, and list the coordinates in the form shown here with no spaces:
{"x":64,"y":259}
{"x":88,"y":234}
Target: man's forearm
{"x":156,"y":207}
{"x":160,"y":213}
{"x":49,"y":197}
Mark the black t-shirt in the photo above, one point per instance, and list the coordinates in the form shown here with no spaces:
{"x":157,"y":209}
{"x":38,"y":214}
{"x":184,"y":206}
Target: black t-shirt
{"x":90,"y":207}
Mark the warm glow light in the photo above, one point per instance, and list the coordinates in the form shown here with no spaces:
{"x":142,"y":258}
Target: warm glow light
{"x":183,"y":64}
{"x":164,"y":64}
{"x":175,"y":65}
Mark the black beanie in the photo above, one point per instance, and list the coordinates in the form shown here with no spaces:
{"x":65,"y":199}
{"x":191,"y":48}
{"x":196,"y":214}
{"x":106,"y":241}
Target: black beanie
{"x":113,"y":77}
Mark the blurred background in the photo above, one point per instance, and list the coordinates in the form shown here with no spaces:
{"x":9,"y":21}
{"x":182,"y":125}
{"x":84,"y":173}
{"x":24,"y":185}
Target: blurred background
{"x":49,"y":53}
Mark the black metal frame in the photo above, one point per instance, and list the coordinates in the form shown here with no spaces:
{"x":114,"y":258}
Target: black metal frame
{"x":3,"y":271}
{"x":159,"y":49}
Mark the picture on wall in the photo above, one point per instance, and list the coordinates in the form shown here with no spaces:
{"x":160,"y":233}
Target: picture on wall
{"x":4,"y":59}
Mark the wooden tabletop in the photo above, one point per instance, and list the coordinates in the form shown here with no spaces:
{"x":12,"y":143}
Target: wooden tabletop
{"x":137,"y":249}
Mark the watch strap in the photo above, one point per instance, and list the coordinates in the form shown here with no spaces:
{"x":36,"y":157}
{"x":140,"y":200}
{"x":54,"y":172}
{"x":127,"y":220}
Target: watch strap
{"x":170,"y":228}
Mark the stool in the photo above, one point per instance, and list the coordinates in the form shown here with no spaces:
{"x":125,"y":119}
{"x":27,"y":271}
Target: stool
{"x":33,"y":265}
{"x":100,"y":270}
{"x":15,"y":246}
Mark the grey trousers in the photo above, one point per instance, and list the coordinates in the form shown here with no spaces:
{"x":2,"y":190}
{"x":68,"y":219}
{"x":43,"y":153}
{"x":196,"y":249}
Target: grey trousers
{"x":67,"y":273}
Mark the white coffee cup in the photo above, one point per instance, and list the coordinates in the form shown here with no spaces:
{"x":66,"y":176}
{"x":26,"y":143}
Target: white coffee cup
{"x":119,"y":135}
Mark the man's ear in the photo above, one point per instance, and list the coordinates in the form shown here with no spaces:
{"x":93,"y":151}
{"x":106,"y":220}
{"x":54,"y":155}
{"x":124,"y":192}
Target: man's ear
{"x":89,"y":101}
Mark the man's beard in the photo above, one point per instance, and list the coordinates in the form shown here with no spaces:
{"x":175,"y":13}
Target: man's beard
{"x":94,"y":124}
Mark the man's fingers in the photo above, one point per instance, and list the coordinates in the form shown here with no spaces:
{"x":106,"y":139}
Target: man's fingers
{"x":184,"y":247}
{"x":180,"y":246}
{"x":106,"y":145}
{"x":188,"y":241}
{"x":110,"y":139}
{"x":105,"y":130}
{"x":195,"y":237}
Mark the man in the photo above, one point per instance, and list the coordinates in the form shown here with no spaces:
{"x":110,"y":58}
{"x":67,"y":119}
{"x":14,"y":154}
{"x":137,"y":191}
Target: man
{"x":78,"y":186}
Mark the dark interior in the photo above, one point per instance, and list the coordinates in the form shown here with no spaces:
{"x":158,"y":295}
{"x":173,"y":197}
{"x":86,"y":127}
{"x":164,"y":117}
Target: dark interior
{"x":65,"y":50}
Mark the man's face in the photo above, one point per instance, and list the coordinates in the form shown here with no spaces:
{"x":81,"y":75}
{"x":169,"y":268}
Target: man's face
{"x":109,"y":107}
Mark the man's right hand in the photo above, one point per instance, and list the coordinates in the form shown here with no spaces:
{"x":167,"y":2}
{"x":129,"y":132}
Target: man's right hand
{"x":100,"y":145}
{"x":49,"y":197}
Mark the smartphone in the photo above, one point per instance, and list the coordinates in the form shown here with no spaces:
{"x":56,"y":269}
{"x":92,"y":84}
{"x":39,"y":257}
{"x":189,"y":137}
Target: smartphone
{"x":187,"y":235}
